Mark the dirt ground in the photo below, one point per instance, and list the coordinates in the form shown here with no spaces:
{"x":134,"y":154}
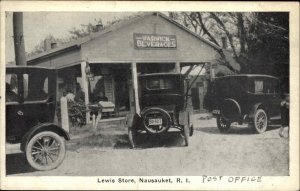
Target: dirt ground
{"x":240,"y":152}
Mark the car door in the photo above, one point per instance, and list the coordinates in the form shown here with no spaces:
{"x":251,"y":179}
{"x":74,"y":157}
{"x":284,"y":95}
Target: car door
{"x":271,"y":87}
{"x":275,"y":99}
{"x":15,"y":121}
{"x":39,"y":103}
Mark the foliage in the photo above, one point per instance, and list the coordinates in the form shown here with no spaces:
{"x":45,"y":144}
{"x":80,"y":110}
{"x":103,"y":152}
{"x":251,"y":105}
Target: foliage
{"x":39,"y":48}
{"x":77,"y":113}
{"x":85,"y":29}
{"x":258,"y":41}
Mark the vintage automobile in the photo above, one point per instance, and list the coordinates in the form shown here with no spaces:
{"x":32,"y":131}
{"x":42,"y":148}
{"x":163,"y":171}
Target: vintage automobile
{"x":30,"y":112}
{"x":246,"y":98}
{"x":163,"y":104}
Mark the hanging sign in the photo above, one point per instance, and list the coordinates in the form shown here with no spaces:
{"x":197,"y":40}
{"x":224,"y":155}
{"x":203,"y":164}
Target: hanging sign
{"x":151,"y":41}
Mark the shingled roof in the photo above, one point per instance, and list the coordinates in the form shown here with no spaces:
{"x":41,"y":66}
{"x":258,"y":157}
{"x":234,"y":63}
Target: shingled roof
{"x":77,"y":43}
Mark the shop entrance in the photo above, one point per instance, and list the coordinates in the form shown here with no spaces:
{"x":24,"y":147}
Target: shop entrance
{"x":121,"y":88}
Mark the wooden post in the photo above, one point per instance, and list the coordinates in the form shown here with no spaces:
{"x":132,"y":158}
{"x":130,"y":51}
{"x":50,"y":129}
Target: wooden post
{"x":85,"y":88}
{"x":212,"y":71}
{"x":19,"y":38}
{"x":64,"y":114}
{"x":135,"y":88}
{"x":177,"y":67}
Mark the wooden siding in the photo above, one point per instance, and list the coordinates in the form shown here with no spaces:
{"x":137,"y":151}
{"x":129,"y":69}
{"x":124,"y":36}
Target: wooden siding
{"x":119,"y":45}
{"x":63,"y":59}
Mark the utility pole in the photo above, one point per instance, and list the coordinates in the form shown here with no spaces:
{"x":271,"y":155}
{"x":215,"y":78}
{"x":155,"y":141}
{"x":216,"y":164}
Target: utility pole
{"x":19,"y":38}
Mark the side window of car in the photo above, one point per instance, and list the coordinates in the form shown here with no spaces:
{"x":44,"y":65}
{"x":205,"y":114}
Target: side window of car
{"x":271,"y":86}
{"x":258,"y":86}
{"x":11,"y":87}
{"x":268,"y":87}
{"x":35,"y":87}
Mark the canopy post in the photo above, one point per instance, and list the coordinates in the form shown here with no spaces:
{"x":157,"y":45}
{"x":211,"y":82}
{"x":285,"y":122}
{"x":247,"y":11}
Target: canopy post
{"x":85,"y":88}
{"x":177,"y":67}
{"x":135,"y":88}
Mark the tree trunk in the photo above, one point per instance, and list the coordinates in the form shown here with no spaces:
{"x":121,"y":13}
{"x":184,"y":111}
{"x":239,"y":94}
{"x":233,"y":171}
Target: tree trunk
{"x":229,"y":36}
{"x":242,"y":32}
{"x":19,"y":38}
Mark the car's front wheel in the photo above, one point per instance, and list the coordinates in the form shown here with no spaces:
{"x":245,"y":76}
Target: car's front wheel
{"x":260,"y":121}
{"x":45,"y":150}
{"x":223,"y":124}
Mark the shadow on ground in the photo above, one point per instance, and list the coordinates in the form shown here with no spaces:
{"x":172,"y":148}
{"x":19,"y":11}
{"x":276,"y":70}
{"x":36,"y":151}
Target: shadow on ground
{"x":234,"y":130}
{"x":121,"y":141}
{"x":17,"y":164}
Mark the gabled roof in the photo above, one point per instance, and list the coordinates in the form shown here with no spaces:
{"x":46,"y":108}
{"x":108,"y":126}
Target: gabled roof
{"x":77,"y":43}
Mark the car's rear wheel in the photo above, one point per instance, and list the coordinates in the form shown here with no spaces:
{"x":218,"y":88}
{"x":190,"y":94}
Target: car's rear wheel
{"x":132,"y":133}
{"x":230,"y":110}
{"x":158,"y":115}
{"x":45,"y":150}
{"x":223,"y":124}
{"x":260,"y":121}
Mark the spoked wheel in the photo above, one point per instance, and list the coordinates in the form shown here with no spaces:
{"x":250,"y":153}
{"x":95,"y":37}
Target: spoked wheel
{"x":186,"y":134}
{"x":45,"y":151}
{"x":260,"y":121}
{"x":132,"y":133}
{"x":223,"y":125}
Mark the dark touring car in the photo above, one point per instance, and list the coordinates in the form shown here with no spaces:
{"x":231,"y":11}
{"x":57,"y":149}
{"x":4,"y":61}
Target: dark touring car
{"x":163,"y":102}
{"x":246,"y":98}
{"x":30,"y":112}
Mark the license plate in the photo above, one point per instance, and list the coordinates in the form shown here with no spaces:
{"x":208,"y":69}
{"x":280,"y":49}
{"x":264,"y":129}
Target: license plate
{"x":216,"y":111}
{"x":157,"y":121}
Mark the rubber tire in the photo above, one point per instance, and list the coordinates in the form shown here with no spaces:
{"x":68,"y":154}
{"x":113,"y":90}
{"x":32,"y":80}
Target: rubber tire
{"x":223,"y":127}
{"x":256,"y":128}
{"x":132,"y":137}
{"x":191,"y":130}
{"x":186,"y":135}
{"x":163,"y":112}
{"x":61,"y":155}
{"x":235,"y":105}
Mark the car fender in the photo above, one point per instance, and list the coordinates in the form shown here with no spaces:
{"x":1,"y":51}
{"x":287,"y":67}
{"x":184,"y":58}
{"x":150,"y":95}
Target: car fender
{"x":43,"y":127}
{"x":254,"y":108}
{"x":132,"y":120}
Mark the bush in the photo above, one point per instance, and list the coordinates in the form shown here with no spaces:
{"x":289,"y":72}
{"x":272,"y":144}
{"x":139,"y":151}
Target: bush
{"x":76,"y":111}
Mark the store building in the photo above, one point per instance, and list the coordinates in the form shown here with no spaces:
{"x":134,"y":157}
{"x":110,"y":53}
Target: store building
{"x":110,"y":60}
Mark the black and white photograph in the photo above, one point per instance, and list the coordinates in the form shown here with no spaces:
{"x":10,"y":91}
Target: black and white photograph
{"x":150,"y":99}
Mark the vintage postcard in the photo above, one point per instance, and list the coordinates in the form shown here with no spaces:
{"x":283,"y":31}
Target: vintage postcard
{"x":149,"y":95}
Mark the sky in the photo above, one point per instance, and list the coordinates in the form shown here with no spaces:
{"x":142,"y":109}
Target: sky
{"x":38,"y":25}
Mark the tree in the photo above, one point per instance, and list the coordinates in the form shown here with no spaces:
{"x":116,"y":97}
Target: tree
{"x":256,"y":40}
{"x":40,"y":47}
{"x":86,"y":29}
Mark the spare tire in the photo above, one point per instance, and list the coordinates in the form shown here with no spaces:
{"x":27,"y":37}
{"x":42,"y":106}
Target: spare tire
{"x":156,"y":120}
{"x":230,"y":109}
